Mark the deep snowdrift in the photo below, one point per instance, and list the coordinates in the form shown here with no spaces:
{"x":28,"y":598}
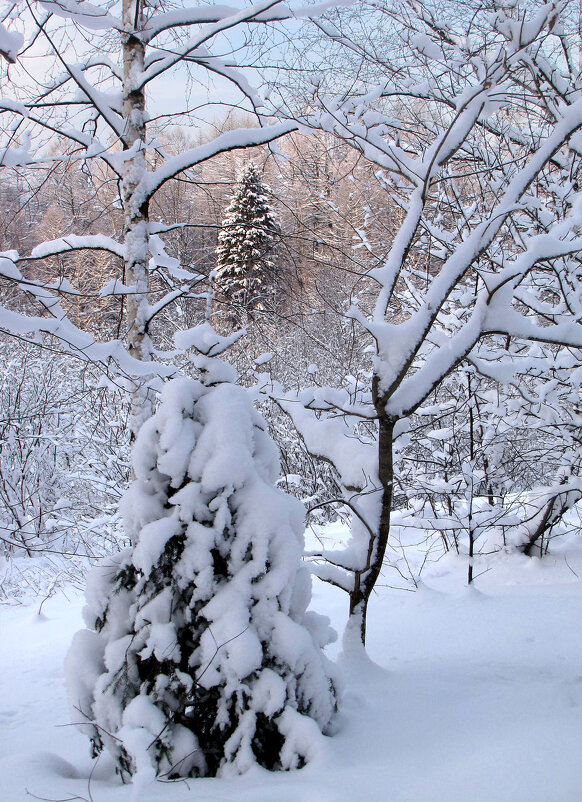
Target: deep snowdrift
{"x":473,"y":693}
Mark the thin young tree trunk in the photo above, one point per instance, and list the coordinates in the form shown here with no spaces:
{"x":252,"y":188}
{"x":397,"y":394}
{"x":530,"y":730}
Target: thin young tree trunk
{"x":552,"y":513}
{"x":471,"y":531}
{"x":365,"y":580}
{"x":136,"y":213}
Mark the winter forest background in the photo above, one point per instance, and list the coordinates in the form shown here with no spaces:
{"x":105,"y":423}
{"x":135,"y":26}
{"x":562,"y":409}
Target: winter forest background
{"x":290,"y":325}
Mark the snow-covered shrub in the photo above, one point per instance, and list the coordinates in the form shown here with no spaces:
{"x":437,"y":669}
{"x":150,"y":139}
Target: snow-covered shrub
{"x":201,"y":658}
{"x":63,"y":462}
{"x":490,"y":467}
{"x":34,"y":404}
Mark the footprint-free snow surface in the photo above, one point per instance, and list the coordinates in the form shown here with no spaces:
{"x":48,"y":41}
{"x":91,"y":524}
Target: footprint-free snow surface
{"x":466,"y":694}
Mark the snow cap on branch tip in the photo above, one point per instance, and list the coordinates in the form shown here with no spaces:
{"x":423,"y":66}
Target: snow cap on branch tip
{"x":263,"y":359}
{"x":10,"y":44}
{"x":206,"y":340}
{"x":19,"y":156}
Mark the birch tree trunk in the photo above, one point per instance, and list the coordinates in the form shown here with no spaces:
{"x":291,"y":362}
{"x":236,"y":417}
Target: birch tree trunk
{"x":136,"y":213}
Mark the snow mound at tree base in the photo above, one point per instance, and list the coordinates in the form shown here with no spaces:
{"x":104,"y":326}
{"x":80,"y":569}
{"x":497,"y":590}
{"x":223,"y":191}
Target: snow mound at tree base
{"x":459,"y":691}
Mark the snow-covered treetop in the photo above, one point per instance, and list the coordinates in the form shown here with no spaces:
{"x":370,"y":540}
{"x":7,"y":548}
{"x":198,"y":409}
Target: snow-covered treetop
{"x":10,"y":44}
{"x":247,"y":240}
{"x":474,"y":125}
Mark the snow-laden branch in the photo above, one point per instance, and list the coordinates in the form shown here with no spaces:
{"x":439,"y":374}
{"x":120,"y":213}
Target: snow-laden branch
{"x":84,"y":13}
{"x":493,"y":313}
{"x":231,"y":140}
{"x":80,"y":344}
{"x":108,"y":105}
{"x":73,"y":242}
{"x":57,"y":324}
{"x":330,"y":437}
{"x":411,"y":334}
{"x":217,"y":17}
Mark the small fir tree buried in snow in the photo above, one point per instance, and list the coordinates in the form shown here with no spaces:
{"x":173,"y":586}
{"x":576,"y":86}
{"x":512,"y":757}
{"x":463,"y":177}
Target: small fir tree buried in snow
{"x":201,"y":658}
{"x":245,"y":273}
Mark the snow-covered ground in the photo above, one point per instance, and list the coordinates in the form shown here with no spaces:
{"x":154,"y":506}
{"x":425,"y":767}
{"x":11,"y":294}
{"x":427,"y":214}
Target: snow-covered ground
{"x":468,"y":693}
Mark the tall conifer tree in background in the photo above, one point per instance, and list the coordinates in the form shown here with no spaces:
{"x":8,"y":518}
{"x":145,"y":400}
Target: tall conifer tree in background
{"x":246,"y":274}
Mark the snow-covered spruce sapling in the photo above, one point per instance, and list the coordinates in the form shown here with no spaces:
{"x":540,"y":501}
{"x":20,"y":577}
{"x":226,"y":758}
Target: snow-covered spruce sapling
{"x":245,"y":272}
{"x":200,"y":657}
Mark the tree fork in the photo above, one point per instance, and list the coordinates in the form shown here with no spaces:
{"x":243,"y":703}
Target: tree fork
{"x":365,"y":581}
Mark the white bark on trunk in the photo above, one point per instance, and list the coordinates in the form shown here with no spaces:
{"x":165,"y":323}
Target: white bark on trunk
{"x":136,"y":217}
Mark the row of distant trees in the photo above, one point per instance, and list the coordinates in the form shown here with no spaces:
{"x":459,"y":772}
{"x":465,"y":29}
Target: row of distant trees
{"x":317,"y":209}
